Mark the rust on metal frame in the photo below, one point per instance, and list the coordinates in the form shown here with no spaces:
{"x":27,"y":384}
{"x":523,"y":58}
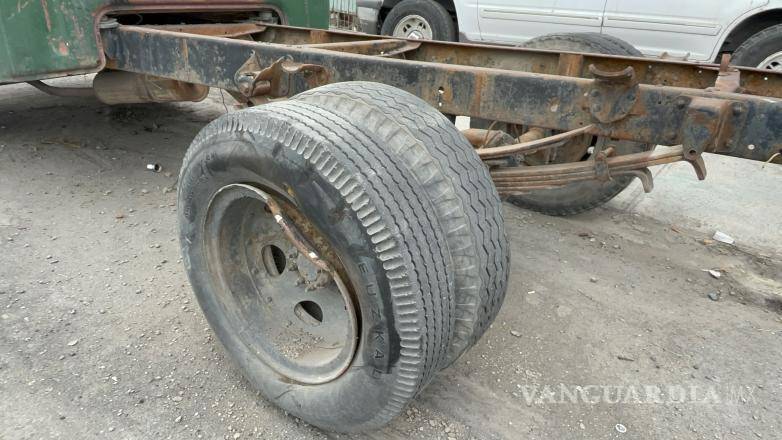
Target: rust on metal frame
{"x":523,"y":179}
{"x":533,"y":146}
{"x":227,"y":30}
{"x":659,"y":114}
{"x":183,"y":6}
{"x":381,"y":47}
{"x":663,"y":72}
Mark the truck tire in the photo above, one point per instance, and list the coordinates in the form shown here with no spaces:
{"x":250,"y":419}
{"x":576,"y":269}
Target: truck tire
{"x":268,"y":192}
{"x":762,"y":50}
{"x":421,"y":20}
{"x":453,"y":178}
{"x":581,"y":196}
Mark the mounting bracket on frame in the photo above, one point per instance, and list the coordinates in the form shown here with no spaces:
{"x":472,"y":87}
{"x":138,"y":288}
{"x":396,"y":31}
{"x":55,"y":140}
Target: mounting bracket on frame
{"x":613,"y":94}
{"x":257,"y":84}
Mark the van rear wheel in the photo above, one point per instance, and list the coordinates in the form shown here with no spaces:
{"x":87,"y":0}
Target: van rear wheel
{"x":420,"y":20}
{"x":762,"y":50}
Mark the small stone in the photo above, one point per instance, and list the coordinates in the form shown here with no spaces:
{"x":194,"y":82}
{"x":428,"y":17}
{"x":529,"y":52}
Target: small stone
{"x":723,"y":237}
{"x":593,"y":279}
{"x":515,"y":333}
{"x":72,"y":343}
{"x":178,"y":419}
{"x":237,"y":435}
{"x":620,"y":428}
{"x":714,"y":296}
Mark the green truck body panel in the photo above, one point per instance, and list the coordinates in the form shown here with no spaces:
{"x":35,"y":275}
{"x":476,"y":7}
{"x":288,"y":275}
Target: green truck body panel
{"x":49,"y":38}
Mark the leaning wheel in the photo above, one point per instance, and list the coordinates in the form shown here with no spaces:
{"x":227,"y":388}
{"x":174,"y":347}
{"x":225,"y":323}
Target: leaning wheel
{"x":319,"y":261}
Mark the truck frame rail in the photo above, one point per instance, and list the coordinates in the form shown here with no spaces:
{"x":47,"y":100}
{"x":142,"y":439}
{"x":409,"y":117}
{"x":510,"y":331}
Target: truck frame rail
{"x":708,"y":108}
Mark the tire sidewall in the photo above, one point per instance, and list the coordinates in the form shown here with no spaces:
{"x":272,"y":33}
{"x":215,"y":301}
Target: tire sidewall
{"x":754,"y":51}
{"x":251,"y":158}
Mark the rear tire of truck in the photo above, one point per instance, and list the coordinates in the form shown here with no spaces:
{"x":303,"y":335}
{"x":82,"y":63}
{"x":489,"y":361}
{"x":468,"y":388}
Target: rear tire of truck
{"x":579,"y":197}
{"x":762,"y":50}
{"x":453,"y":178}
{"x":318,"y":262}
{"x":421,"y":20}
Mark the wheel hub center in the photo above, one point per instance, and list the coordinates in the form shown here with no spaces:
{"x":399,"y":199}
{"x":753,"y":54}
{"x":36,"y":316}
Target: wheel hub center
{"x":289,"y":305}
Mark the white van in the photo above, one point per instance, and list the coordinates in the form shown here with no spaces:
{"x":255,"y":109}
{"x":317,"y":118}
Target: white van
{"x":697,"y":30}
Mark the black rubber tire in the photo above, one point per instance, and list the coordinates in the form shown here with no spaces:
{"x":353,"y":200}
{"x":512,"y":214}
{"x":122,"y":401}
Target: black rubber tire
{"x":621,"y":44}
{"x":759,"y":47}
{"x":456,"y":181}
{"x":441,"y":22}
{"x":368,"y":207}
{"x":582,"y":196}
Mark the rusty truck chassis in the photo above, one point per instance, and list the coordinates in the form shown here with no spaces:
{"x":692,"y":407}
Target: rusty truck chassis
{"x":698,"y":108}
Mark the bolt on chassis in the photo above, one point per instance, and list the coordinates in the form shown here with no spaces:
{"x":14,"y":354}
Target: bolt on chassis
{"x":344,"y":240}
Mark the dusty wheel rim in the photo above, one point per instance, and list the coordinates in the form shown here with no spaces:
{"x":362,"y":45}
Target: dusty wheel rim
{"x":414,"y":27}
{"x":773,"y":62}
{"x":288,"y":306}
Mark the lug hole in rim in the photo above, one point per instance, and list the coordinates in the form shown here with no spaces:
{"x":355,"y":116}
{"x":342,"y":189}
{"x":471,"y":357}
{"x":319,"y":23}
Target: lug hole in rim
{"x":309,"y":312}
{"x":274,"y":260}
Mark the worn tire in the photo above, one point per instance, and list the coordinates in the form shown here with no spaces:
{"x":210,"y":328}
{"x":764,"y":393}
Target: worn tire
{"x":442,"y":24}
{"x":368,"y":206}
{"x":759,"y":47}
{"x":453,"y":178}
{"x":581,"y":196}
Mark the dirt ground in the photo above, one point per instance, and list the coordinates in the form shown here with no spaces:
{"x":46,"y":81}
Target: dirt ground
{"x":611,"y":328}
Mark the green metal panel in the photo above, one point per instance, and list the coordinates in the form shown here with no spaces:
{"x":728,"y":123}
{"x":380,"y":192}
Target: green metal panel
{"x":49,"y":38}
{"x":304,"y":13}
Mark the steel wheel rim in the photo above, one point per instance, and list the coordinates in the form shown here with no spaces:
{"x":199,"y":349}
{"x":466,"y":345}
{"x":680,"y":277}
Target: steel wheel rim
{"x":773,"y":62}
{"x":413,"y":27}
{"x":289,"y":307}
